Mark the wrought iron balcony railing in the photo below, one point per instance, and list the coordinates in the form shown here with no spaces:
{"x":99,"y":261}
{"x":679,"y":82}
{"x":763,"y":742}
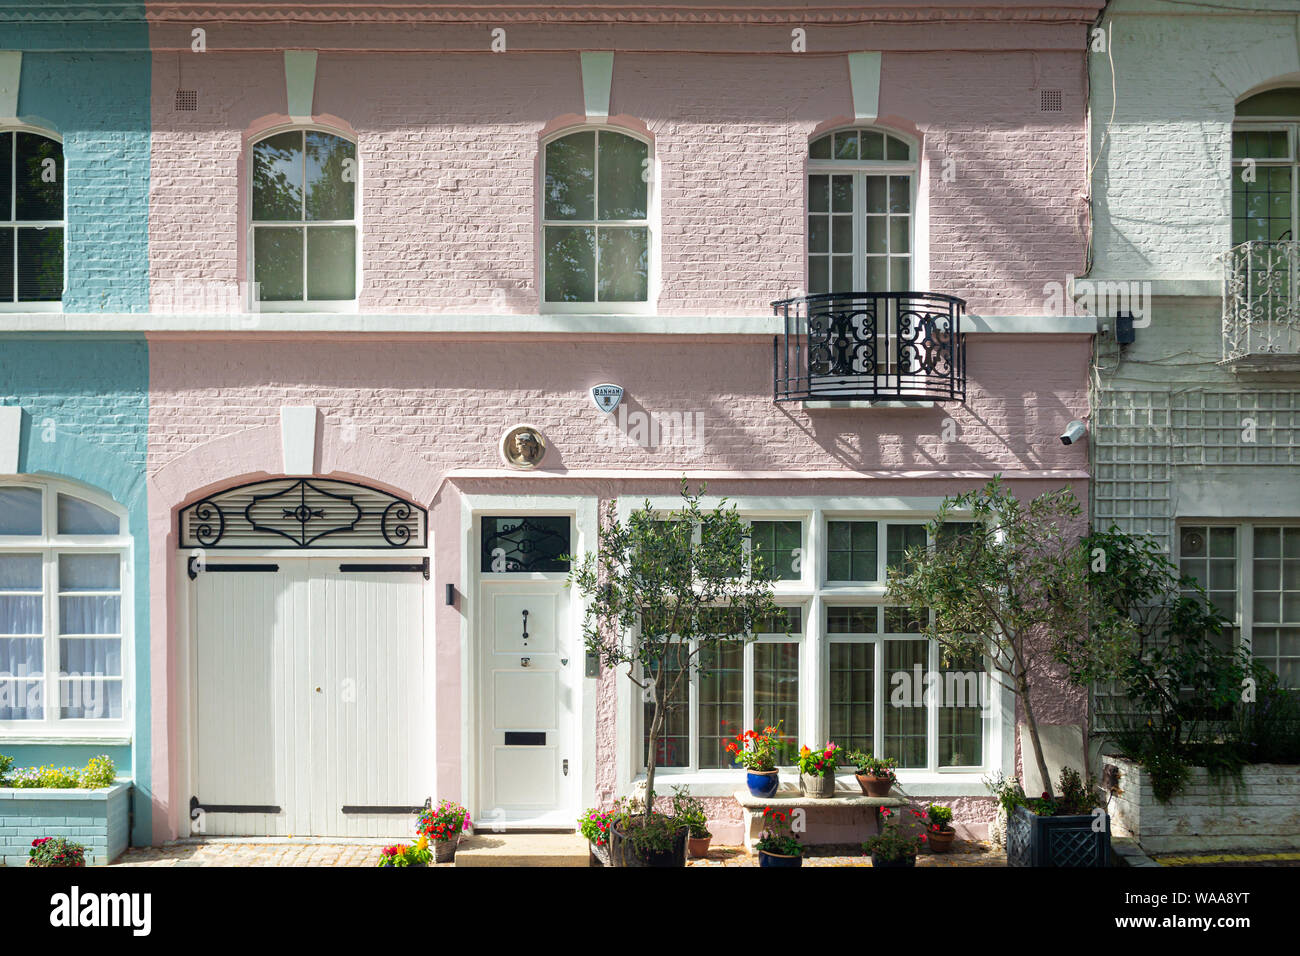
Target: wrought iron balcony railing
{"x":878,"y":346}
{"x":1261,"y":303}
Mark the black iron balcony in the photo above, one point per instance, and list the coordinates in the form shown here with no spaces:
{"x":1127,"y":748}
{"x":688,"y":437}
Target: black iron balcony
{"x":870,"y":346}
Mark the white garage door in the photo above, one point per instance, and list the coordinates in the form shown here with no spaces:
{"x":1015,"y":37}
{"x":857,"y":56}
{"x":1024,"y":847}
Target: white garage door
{"x":309,"y":697}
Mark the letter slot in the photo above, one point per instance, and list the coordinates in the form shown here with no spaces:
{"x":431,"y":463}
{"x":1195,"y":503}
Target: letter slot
{"x":525,"y":738}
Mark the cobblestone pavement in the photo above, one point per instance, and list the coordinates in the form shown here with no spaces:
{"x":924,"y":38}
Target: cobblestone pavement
{"x":252,"y":854}
{"x":357,"y":854}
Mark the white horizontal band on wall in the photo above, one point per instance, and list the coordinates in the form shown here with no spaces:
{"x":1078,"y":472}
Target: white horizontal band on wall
{"x":255,"y":324}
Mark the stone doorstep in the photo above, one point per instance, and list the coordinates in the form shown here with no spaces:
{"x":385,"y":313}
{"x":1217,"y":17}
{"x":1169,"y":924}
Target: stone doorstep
{"x":523,"y":849}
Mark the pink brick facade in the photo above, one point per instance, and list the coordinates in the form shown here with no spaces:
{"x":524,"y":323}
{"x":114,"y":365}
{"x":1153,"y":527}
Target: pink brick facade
{"x":448,"y":144}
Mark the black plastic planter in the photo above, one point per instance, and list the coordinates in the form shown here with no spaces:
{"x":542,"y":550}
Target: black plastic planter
{"x":624,"y":854}
{"x":1056,"y":841}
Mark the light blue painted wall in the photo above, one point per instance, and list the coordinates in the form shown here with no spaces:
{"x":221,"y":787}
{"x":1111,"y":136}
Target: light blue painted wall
{"x":85,"y":418}
{"x":96,"y":819}
{"x":86,"y":77}
{"x":88,"y":80}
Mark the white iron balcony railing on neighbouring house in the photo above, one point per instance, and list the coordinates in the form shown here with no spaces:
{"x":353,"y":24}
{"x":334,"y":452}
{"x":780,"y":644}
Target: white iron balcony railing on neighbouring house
{"x":1261,"y":304}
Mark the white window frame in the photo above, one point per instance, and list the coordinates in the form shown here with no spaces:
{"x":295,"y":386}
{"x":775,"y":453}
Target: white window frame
{"x":649,"y":223}
{"x":747,"y":707}
{"x":859,"y":169}
{"x":20,"y":305}
{"x":812,"y":594}
{"x":305,"y":304}
{"x":1243,"y":621}
{"x":49,"y":544}
{"x":1291,"y":126}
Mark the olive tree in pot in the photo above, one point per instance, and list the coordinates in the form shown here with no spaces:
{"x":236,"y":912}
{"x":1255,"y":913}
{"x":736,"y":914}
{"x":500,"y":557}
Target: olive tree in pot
{"x":666,"y":591}
{"x":1005,"y":586}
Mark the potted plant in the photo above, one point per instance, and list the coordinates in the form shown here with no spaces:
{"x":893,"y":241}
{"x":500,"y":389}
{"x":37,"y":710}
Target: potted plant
{"x":875,"y":776}
{"x":757,"y":753}
{"x":417,"y":854}
{"x":1068,"y":830}
{"x":941,"y":832}
{"x":777,"y":845}
{"x":898,"y":841}
{"x":689,"y":812}
{"x":665,"y":591}
{"x":645,"y":838}
{"x":594,"y":825}
{"x":817,"y":770}
{"x":443,"y":825}
{"x":56,"y":851}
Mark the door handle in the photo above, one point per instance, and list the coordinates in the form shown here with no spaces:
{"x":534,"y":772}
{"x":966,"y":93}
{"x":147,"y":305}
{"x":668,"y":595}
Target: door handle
{"x":525,"y":625}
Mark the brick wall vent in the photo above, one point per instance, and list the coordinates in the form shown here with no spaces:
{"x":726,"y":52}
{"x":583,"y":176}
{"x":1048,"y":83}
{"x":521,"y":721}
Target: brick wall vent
{"x":187,"y":99}
{"x":1049,"y":101}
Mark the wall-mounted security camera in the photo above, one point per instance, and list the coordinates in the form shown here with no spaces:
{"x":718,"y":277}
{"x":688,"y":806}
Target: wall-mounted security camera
{"x":1073,"y":432}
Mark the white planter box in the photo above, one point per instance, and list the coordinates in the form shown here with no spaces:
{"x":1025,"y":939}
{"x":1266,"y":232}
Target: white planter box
{"x":97,"y":819}
{"x":1261,"y":810}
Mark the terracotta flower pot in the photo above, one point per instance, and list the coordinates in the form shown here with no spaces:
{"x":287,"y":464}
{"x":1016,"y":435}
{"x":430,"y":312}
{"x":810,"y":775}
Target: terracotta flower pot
{"x":698,"y":846}
{"x":940,"y":842}
{"x":820,"y":787}
{"x":874,"y":786}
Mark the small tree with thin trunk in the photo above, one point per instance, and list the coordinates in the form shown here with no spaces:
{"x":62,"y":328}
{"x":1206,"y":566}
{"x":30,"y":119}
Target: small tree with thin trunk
{"x":1011,"y":586}
{"x":664,"y":592}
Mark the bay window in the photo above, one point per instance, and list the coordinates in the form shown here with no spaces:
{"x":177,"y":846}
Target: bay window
{"x":844,"y":665}
{"x":63,"y":640}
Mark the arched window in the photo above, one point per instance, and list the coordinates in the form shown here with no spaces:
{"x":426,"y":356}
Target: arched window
{"x":304,"y":217}
{"x":31,"y":217}
{"x":64,"y":647}
{"x":595,"y":218}
{"x":861,"y":189}
{"x":1265,"y":167}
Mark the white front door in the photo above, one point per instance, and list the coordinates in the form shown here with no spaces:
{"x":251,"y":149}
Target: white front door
{"x":529,"y":667}
{"x":310,"y":698}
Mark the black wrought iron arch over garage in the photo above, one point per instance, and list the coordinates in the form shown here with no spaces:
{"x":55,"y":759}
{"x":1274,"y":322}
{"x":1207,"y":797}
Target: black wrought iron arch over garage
{"x":303,"y":513}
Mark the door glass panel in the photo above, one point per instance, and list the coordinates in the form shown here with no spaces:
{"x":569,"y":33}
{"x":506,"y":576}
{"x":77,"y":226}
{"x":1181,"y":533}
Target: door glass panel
{"x":532,"y":543}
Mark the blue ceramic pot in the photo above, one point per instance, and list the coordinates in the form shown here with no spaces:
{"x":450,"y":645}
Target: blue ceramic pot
{"x":773,"y":859}
{"x":762,"y":783}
